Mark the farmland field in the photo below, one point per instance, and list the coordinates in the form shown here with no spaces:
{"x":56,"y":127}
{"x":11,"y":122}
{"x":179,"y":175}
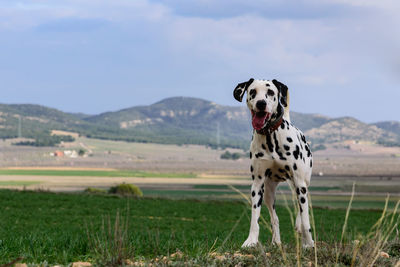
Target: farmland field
{"x":193,"y":201}
{"x":353,"y":160}
{"x":41,"y":226}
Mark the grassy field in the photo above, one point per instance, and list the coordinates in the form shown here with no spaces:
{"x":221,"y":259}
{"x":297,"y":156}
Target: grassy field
{"x":18,"y":183}
{"x":320,"y":201}
{"x":57,"y":228}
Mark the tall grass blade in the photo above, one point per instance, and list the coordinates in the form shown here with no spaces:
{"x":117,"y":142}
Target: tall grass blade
{"x":345,"y":222}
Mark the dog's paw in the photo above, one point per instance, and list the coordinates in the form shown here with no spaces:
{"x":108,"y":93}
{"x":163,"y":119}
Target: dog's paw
{"x":250,"y":242}
{"x":276,"y":243}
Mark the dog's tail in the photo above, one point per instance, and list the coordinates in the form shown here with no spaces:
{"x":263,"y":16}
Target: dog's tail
{"x":286,"y":112}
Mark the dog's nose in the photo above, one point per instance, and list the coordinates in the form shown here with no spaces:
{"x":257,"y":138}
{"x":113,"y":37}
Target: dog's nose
{"x":261,"y":105}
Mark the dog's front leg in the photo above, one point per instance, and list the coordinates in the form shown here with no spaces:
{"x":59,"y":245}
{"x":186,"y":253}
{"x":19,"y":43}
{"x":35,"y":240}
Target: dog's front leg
{"x":257,"y":192}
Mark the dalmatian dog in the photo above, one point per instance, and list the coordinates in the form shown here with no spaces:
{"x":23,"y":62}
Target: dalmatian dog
{"x":279,"y":152}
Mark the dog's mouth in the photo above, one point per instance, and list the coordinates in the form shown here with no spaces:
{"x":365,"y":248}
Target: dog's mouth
{"x":259,"y":119}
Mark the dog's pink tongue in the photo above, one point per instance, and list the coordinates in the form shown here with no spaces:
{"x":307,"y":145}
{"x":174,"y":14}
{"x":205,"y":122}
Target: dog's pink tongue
{"x":258,"y":121}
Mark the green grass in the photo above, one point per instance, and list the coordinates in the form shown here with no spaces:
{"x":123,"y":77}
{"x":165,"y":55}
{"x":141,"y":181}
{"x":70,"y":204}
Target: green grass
{"x":18,"y":183}
{"x":52,"y":227}
{"x":95,"y":173}
{"x":222,"y":192}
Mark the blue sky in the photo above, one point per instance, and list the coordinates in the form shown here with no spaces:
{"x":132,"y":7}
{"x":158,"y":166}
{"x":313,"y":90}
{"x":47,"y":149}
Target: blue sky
{"x":338,"y":58}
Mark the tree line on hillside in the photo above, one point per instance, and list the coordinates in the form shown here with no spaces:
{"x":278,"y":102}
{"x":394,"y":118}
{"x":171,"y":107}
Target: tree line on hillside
{"x":42,"y":141}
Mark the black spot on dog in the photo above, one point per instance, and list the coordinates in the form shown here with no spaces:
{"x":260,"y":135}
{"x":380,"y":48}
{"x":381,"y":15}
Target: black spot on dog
{"x":253,"y":193}
{"x":259,"y":155}
{"x":287,"y":168}
{"x":303,"y":190}
{"x":252,"y":177}
{"x":282,"y":126}
{"x":288,"y":154}
{"x":281,"y":170}
{"x":268,"y":173}
{"x":296,"y":152}
{"x":276,"y":143}
{"x":298,"y":191}
{"x":294,"y":166}
{"x":259,"y":177}
{"x":308,"y":151}
{"x":303,"y":138}
{"x":254,"y":206}
{"x":267,"y":84}
{"x":309,"y":230}
{"x":310,"y":163}
{"x":301,"y":155}
{"x":279,"y":178}
{"x":251,"y":155}
{"x":289,"y":139}
{"x":269,"y":143}
{"x":260,"y":201}
{"x":301,"y":209}
{"x":286,"y":147}
{"x":302,"y":200}
{"x":263,"y":146}
{"x":251,"y":168}
{"x":277,"y":150}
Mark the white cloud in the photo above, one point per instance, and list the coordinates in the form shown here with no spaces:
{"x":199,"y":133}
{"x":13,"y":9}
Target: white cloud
{"x":26,"y":14}
{"x":328,"y":45}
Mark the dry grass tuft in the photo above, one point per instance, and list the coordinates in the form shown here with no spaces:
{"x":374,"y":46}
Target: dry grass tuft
{"x":110,"y":246}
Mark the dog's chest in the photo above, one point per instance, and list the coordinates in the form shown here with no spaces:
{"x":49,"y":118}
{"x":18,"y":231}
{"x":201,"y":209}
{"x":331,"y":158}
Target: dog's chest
{"x":285,"y":146}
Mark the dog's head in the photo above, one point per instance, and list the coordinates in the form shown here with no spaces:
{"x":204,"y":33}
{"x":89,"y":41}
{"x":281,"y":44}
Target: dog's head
{"x":265,"y":99}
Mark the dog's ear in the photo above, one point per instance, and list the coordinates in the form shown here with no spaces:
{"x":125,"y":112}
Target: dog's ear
{"x":240,"y":89}
{"x":283,"y":90}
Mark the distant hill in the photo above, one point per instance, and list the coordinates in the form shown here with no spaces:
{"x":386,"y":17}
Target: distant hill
{"x":36,"y":120}
{"x":347,"y":128}
{"x":184,"y":120}
{"x":391,"y":126}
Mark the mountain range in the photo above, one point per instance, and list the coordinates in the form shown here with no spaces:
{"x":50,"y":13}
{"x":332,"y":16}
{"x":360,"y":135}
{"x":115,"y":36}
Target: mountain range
{"x":184,"y":120}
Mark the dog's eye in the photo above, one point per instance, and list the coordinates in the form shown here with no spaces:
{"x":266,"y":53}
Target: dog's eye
{"x":270,"y":92}
{"x":253,"y":93}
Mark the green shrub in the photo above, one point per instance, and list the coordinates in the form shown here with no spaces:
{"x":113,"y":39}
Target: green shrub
{"x":93,"y":190}
{"x":81,"y":152}
{"x":126,"y":190}
{"x":229,"y":155}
